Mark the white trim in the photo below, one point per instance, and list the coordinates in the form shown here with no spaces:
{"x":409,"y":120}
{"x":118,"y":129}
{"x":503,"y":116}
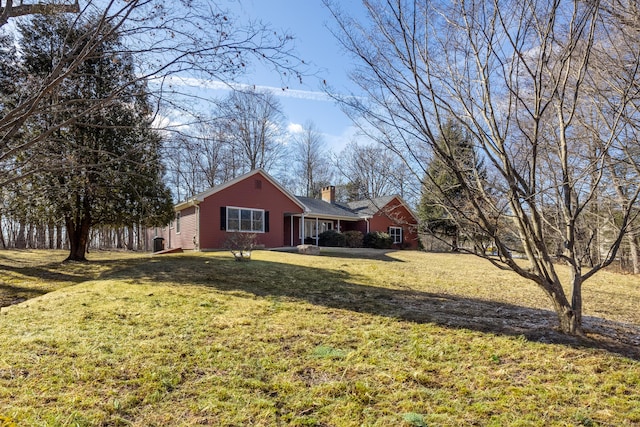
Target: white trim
{"x":333,"y":217}
{"x":302,"y":229}
{"x":196,"y":243}
{"x":201,"y":196}
{"x":393,"y":235}
{"x":252,"y":210}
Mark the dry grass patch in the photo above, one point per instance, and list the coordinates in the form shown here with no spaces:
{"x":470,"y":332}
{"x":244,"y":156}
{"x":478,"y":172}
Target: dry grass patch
{"x":198,"y":339}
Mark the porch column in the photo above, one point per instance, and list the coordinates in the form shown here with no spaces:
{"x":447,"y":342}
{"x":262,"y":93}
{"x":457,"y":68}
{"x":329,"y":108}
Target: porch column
{"x":316,"y":231}
{"x":302,"y":229}
{"x":339,"y":226}
{"x":291,"y":230}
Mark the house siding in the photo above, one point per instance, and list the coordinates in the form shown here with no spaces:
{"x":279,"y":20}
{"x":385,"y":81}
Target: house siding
{"x":185,"y":239}
{"x":394,"y":214}
{"x":254,"y":192}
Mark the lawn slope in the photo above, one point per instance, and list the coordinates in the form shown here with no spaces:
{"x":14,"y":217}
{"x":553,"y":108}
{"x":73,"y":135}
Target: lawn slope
{"x":406,"y":338}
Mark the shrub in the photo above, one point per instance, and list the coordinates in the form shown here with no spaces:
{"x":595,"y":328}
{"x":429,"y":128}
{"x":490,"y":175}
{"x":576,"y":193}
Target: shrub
{"x":353,"y":239}
{"x":331,"y":238}
{"x":377,"y":240}
{"x":241,"y":244}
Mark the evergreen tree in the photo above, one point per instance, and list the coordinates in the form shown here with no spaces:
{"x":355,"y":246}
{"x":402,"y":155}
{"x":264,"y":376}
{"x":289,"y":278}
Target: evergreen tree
{"x":443,"y":200}
{"x":111,"y":173}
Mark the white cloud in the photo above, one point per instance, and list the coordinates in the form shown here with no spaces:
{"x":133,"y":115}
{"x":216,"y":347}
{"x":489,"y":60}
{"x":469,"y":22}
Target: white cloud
{"x":295,"y":128}
{"x":219,"y":85}
{"x":338,"y":142}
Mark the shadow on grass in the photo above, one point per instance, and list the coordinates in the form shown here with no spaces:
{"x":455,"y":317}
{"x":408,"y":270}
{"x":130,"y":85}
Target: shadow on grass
{"x":357,"y":253}
{"x":44,"y":278}
{"x":10,"y":294}
{"x":45,"y":272}
{"x":337,"y":289}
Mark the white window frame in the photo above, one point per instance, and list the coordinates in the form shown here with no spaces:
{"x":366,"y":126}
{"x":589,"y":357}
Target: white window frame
{"x":252,"y":219}
{"x":396,"y":232}
{"x":310,"y":227}
{"x":178,"y":215}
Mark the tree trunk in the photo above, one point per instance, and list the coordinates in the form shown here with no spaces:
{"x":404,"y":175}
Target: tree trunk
{"x":50,"y":235}
{"x":78,"y":229}
{"x":21,"y":240}
{"x":633,"y":252}
{"x":130,"y":238}
{"x":41,"y":236}
{"x":4,"y":243}
{"x":59,"y":237}
{"x":569,"y":315}
{"x":119,"y":237}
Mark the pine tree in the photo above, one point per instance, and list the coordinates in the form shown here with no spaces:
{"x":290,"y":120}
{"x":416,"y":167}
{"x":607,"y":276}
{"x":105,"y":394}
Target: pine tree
{"x":443,"y":199}
{"x":110,"y":171}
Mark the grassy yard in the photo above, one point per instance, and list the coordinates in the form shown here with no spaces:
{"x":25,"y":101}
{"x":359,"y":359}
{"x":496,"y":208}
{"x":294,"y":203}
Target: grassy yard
{"x":403,"y":339}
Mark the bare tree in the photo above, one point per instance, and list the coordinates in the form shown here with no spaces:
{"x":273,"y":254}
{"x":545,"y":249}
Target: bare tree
{"x":169,"y":40}
{"x":519,"y":78}
{"x":199,"y":159}
{"x":313,"y":161}
{"x":371,"y":171}
{"x":254,"y":128}
{"x":9,"y":10}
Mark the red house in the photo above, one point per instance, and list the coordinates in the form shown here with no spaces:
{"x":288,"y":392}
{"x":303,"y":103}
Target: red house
{"x":257,"y":203}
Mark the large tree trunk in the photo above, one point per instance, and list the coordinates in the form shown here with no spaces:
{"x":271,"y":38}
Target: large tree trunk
{"x":78,"y":229}
{"x":569,"y":314}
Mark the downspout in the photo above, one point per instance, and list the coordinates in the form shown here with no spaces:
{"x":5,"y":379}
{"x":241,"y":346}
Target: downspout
{"x":302,"y":229}
{"x":291,"y":242}
{"x":196,"y":238}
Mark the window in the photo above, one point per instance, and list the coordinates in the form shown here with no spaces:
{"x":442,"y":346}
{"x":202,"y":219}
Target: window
{"x":178,"y":223}
{"x":243,"y":219}
{"x":310,"y":227}
{"x":396,"y":234}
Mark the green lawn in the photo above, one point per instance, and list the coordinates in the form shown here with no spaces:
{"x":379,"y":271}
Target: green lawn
{"x":404,"y":339}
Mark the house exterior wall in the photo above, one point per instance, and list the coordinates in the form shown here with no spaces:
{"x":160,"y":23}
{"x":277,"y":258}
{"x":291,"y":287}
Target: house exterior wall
{"x":184,"y":238}
{"x":253,"y":192}
{"x":394,"y":214}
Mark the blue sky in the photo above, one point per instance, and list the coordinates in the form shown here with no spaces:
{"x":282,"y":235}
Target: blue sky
{"x":307,"y":21}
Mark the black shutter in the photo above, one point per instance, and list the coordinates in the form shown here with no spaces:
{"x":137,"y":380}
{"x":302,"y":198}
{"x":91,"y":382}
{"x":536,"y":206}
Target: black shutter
{"x":223,"y":217}
{"x":266,"y":222}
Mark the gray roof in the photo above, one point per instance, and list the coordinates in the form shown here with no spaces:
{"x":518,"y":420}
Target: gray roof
{"x":322,"y":208}
{"x":369,"y":207}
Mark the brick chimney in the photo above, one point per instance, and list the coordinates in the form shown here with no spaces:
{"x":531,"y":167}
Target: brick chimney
{"x":329,"y":194}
